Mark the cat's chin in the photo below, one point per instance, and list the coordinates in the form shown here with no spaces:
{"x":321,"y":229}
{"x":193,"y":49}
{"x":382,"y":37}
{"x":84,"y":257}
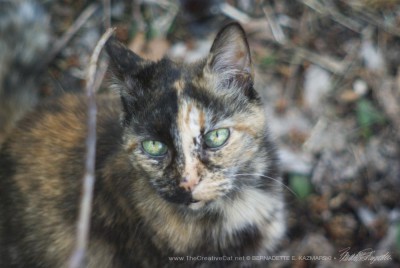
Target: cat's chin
{"x":197,"y":205}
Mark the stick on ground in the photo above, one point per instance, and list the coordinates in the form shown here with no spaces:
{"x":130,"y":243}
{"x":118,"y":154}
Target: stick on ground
{"x":83,"y":224}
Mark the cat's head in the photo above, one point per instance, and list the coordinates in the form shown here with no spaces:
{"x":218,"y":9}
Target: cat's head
{"x":195,"y":132}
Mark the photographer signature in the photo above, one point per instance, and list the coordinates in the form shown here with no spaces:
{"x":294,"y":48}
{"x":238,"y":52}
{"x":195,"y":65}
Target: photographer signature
{"x":367,"y":254}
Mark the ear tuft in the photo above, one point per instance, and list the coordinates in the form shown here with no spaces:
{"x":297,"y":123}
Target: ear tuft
{"x":230,"y":53}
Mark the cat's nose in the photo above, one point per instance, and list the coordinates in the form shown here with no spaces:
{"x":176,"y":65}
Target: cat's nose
{"x":189,"y":182}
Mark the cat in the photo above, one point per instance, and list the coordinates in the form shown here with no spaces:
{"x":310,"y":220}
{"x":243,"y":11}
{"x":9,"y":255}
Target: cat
{"x":185,"y":168}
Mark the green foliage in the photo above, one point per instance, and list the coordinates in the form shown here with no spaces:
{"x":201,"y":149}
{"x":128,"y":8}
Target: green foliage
{"x":133,"y":30}
{"x":268,"y":61}
{"x":367,"y":117}
{"x":301,"y":185}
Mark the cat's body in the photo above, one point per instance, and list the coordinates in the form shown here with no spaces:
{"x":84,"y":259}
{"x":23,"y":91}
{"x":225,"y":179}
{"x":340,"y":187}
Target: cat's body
{"x":187,"y":169}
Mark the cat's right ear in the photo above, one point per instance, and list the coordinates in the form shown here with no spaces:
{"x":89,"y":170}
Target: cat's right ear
{"x":125,"y":66}
{"x":124,"y":63}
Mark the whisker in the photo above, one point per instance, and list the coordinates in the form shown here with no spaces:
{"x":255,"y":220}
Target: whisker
{"x":265,"y":176}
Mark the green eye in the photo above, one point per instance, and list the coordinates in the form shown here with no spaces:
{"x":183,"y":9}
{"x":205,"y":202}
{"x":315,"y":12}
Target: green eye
{"x":216,"y":138}
{"x":154,"y":148}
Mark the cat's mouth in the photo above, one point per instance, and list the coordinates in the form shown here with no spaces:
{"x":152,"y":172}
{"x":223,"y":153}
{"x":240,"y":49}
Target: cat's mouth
{"x":204,"y":193}
{"x":196,"y":204}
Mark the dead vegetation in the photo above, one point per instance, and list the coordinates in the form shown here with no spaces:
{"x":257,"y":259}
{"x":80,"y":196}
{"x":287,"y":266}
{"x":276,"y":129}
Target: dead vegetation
{"x":329,"y":73}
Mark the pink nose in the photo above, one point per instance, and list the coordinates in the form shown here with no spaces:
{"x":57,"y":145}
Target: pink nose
{"x":189,"y":183}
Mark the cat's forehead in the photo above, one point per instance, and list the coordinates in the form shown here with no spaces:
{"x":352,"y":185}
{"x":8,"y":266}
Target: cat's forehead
{"x":157,"y":75}
{"x":175,"y":84}
{"x":176,"y":94}
{"x":165,"y":87}
{"x":166,"y":75}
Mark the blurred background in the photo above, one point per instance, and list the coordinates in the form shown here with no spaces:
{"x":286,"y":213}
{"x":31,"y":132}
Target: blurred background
{"x":328,"y":71}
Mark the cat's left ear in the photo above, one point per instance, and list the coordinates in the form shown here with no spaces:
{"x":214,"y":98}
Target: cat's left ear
{"x":230,"y":59}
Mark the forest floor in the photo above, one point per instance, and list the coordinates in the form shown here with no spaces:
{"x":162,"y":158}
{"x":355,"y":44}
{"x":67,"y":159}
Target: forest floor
{"x":329,"y":73}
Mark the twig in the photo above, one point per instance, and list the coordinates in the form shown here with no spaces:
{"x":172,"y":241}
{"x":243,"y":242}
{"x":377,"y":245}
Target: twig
{"x":83,"y":223}
{"x":289,"y":89}
{"x":164,"y":22}
{"x":137,"y":14}
{"x":103,"y":67}
{"x":334,"y":14}
{"x":350,"y":61}
{"x":234,"y":13}
{"x":326,"y":62}
{"x":384,"y":91}
{"x":80,"y":21}
{"x":276,"y":29}
{"x":107,"y":13}
{"x":365,"y":15}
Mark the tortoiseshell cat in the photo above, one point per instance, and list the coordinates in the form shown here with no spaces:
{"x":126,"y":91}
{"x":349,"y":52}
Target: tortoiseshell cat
{"x":184,"y":167}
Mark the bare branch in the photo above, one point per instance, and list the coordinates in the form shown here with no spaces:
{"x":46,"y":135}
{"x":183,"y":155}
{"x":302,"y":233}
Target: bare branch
{"x":388,"y":96}
{"x":234,"y":13}
{"x":331,"y":64}
{"x":80,"y":21}
{"x":276,"y":29}
{"x":107,"y":13}
{"x":329,"y":10}
{"x":83,"y":224}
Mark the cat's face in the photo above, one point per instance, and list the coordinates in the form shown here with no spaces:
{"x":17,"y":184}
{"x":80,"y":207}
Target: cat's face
{"x":196,"y":132}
